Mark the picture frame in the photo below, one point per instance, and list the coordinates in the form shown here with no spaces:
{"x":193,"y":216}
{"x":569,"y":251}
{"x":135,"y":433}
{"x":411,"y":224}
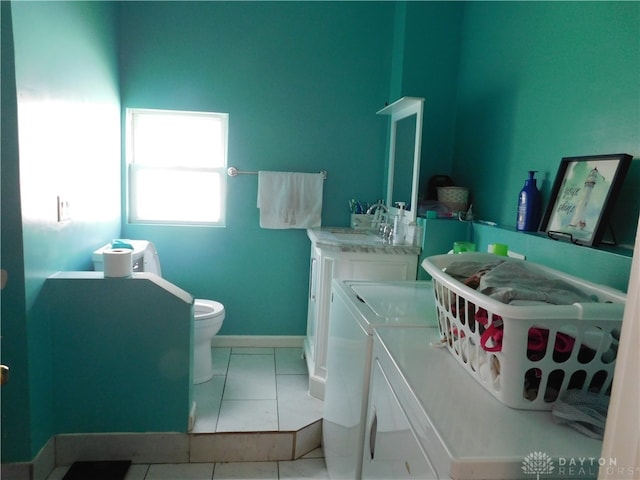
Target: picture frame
{"x":583,"y":193}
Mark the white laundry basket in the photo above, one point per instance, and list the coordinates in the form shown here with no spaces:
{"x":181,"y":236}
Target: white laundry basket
{"x":526,"y":356}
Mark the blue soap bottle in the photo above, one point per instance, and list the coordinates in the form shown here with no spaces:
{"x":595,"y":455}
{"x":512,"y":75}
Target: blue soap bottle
{"x":529,"y":205}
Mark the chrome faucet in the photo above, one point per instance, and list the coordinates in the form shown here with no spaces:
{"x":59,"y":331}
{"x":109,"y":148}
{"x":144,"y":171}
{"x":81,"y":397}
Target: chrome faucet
{"x":378,"y":217}
{"x":377,"y":206}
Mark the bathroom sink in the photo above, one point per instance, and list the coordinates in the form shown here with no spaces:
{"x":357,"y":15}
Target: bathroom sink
{"x":357,"y":240}
{"x":352,"y":236}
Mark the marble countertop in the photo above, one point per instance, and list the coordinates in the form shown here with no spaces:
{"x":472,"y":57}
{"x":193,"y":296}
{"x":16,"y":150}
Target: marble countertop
{"x":354,"y":240}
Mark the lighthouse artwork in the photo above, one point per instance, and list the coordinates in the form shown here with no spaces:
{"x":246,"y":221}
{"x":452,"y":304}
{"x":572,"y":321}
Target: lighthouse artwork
{"x":582,"y":195}
{"x":579,"y":217}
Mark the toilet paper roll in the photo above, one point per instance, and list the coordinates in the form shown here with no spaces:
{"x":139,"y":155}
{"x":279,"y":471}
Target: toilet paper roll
{"x":117,"y":262}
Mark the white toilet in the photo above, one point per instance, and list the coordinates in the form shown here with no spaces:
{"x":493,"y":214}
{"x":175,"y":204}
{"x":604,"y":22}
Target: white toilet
{"x":208,"y":314}
{"x":208,"y":320}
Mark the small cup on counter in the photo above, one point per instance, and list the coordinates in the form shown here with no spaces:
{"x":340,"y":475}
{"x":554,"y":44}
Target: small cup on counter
{"x":460,"y":247}
{"x":499,"y":249}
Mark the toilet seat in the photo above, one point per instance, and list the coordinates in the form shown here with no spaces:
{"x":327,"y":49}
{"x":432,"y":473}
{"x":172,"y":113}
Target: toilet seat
{"x":207,"y":309}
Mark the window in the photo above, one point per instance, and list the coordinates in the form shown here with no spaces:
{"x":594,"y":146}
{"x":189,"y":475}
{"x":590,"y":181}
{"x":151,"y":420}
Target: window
{"x":176,"y":166}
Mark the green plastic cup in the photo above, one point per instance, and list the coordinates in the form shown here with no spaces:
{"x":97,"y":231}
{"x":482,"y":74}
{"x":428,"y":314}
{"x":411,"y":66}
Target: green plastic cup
{"x":460,"y":247}
{"x":499,"y":249}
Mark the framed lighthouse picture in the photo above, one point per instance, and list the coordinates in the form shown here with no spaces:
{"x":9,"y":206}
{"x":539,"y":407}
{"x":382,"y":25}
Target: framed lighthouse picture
{"x":582,"y":196}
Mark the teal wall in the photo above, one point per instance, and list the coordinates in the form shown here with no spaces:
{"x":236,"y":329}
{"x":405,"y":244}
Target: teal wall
{"x":15,"y":407}
{"x":539,"y":81}
{"x":67,"y":143}
{"x":431,"y":53}
{"x":302,"y":82}
{"x":605,"y":267}
{"x":111,"y":373}
{"x":484,"y":122}
{"x":509,"y":86}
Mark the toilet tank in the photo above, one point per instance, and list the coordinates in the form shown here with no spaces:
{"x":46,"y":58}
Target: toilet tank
{"x":144,"y":257}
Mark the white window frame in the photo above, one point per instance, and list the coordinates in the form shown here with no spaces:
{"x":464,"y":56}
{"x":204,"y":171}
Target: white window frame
{"x":135,"y":168}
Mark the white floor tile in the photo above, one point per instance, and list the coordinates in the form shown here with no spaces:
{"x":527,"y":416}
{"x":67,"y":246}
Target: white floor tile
{"x":252,"y":350}
{"x":250,"y":377}
{"x":180,"y":471}
{"x":207,"y":421}
{"x":205,"y":393}
{"x":294,"y":387}
{"x":296,"y":408}
{"x":208,"y":397}
{"x":248,"y":416}
{"x":316,"y":453}
{"x":290,"y":361}
{"x":304,"y":468}
{"x":220,"y":360}
{"x":137,"y":472}
{"x":246,"y":470}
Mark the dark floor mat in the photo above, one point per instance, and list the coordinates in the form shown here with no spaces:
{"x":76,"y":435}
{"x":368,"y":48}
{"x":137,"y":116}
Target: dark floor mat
{"x":114,"y":470}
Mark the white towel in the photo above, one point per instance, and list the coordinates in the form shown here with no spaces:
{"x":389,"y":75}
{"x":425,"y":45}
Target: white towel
{"x":290,"y":200}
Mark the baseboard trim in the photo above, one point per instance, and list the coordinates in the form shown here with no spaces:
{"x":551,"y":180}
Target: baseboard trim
{"x":279,"y":341}
{"x":151,"y":448}
{"x":38,"y":469}
{"x":17,"y":471}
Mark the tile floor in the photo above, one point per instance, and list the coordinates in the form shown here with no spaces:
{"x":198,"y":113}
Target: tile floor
{"x":310,"y":467}
{"x":256,"y":389}
{"x":253,"y":389}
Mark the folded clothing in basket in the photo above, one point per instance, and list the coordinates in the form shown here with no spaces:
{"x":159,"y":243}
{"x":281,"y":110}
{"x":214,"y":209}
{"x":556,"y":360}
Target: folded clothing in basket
{"x":511,"y":282}
{"x":583,"y":411}
{"x":521,"y":284}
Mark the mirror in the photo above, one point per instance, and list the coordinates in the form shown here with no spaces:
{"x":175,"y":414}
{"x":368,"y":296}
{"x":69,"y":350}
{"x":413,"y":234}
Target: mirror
{"x":403,"y":161}
{"x":404,"y":153}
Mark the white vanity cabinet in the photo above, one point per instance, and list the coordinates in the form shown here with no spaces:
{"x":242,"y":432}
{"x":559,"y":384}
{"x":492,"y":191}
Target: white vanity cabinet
{"x":345,"y":256}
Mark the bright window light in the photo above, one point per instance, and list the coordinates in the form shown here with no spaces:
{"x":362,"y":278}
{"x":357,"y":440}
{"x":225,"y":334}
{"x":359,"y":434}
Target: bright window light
{"x":177,"y":162}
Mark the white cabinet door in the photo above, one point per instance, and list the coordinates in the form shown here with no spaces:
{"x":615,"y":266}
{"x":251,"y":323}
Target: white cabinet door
{"x":391,"y":448}
{"x":323,"y":266}
{"x":312,"y":302}
{"x":327,"y":264}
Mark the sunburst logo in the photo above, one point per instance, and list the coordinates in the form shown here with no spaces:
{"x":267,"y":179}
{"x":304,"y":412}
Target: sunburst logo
{"x":537,"y":463}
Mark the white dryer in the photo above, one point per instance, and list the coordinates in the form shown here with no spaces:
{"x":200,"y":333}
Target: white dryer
{"x":357,"y":309}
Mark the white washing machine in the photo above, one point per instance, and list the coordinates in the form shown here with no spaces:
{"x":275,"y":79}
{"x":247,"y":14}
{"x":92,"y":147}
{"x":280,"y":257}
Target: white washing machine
{"x":428,"y":419}
{"x":357,"y":308}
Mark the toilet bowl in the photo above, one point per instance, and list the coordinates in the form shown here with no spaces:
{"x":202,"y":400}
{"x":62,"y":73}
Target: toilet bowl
{"x":208,"y":317}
